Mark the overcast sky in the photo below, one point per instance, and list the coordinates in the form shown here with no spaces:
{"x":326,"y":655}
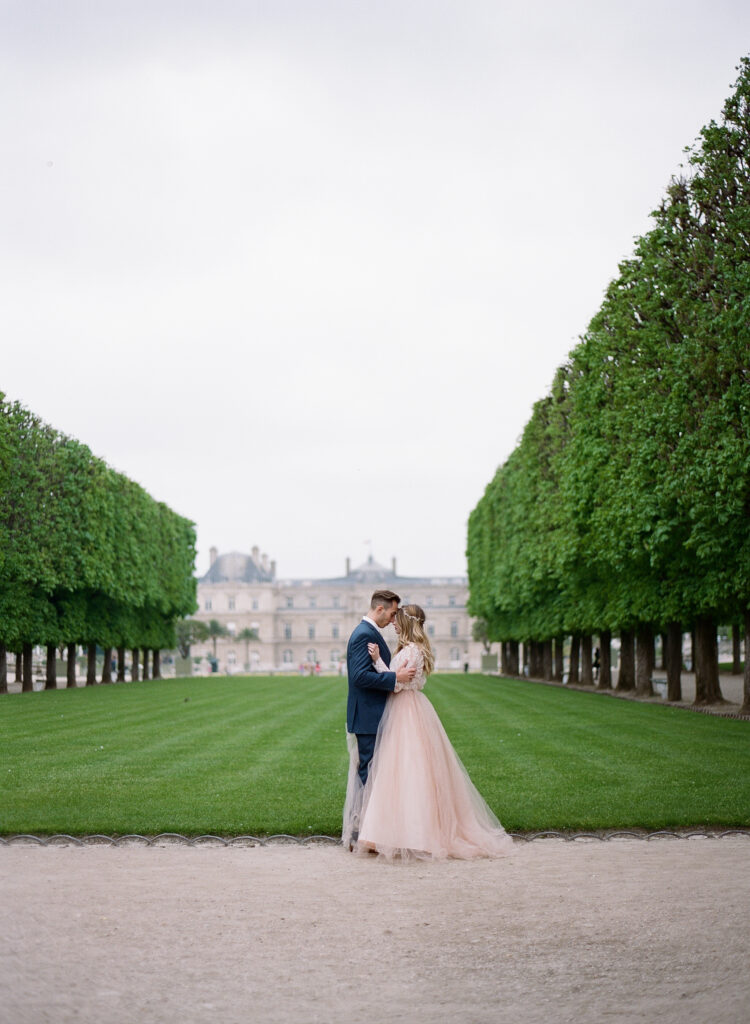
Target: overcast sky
{"x":302,"y":268}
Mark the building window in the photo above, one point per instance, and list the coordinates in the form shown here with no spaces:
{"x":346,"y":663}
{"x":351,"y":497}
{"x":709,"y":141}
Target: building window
{"x":336,"y":655}
{"x":207,"y":605}
{"x":287,"y":657}
{"x":336,"y":603}
{"x":231,"y":604}
{"x":287,"y":631}
{"x":231,"y":628}
{"x":312,"y":602}
{"x":290,"y":602}
{"x":232,"y":658}
{"x":335,"y":631}
{"x":311,"y":632}
{"x":255,"y":604}
{"x":312,"y":656}
{"x":430,"y":630}
{"x":454,"y":629}
{"x":452,"y":601}
{"x":455,"y":655}
{"x":428,"y":602}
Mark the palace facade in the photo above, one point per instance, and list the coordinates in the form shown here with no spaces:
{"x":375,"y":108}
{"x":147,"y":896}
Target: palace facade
{"x":307,"y":622}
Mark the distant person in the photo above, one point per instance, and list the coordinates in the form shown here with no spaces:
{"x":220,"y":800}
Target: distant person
{"x":596,"y":664}
{"x":416,"y":800}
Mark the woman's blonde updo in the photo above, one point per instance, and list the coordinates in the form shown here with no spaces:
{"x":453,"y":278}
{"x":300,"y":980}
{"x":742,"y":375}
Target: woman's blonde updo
{"x":410,"y":619}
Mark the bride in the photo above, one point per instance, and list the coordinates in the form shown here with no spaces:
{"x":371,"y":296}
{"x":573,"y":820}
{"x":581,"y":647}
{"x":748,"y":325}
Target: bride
{"x":418,"y":800}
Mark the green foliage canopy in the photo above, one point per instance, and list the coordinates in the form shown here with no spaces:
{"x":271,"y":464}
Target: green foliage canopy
{"x":627,"y":498}
{"x":86,"y":555}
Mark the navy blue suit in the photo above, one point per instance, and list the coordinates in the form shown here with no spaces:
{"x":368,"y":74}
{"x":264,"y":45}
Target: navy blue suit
{"x":368,"y":690}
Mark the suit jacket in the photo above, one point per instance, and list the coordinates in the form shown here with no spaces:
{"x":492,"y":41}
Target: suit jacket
{"x":368,"y":689}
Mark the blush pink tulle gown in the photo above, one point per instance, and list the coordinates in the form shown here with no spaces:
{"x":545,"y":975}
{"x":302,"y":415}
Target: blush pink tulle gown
{"x":419,"y":801}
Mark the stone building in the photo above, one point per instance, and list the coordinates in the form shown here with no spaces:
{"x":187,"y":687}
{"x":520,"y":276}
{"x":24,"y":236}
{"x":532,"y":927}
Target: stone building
{"x":307,"y":622}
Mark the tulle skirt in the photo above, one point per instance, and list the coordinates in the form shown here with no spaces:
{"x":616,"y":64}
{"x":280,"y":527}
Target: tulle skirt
{"x":419,"y":801}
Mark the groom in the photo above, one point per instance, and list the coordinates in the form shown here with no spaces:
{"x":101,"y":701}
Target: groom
{"x":368,"y":689}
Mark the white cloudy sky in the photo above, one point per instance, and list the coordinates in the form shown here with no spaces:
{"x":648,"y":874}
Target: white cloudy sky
{"x":302,"y":268}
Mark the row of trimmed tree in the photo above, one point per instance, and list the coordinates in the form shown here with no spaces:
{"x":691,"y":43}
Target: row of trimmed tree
{"x":87,"y":557}
{"x":625,"y":507}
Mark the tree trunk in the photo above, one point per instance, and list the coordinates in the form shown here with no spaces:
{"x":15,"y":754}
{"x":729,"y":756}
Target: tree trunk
{"x":135,"y":654}
{"x":50,"y":676}
{"x":19,"y":667}
{"x":644,"y":660}
{"x":28,"y":680}
{"x":71,"y":679}
{"x":3,"y":669}
{"x":746,"y":687}
{"x":692,"y":650}
{"x":626,"y":674}
{"x":673,"y":649}
{"x":559,"y":662}
{"x":120,"y":664}
{"x":547,"y":659}
{"x":707,"y":689}
{"x":663,"y":664}
{"x":156,"y":658}
{"x":107,"y":666}
{"x":605,"y":660}
{"x":145,"y":663}
{"x":533,"y":659}
{"x":575,"y":647}
{"x":504,"y":670}
{"x":91,"y":665}
{"x":513,"y":655}
{"x":587,"y":672}
{"x":736,"y":649}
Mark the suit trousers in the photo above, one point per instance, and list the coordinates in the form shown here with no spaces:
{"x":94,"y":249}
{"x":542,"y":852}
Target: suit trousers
{"x":366,"y":748}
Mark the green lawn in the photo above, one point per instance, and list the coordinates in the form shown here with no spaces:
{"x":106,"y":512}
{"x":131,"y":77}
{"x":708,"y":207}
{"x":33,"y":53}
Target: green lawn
{"x":267,"y":755}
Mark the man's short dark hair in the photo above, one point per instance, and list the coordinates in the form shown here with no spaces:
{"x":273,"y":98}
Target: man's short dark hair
{"x":384,"y":598}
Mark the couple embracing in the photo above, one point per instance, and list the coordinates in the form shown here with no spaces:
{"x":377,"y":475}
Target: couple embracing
{"x":408,"y":795}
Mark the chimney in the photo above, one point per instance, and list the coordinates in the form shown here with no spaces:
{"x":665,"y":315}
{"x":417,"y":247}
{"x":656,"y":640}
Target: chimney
{"x":393,"y":566}
{"x":273,"y":570}
{"x":213,"y":554}
{"x":348,"y":566}
{"x":265,"y":562}
{"x":256,"y":554}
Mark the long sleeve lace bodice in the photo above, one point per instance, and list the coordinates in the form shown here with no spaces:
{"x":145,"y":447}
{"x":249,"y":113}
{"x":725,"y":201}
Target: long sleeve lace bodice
{"x":408,"y":656}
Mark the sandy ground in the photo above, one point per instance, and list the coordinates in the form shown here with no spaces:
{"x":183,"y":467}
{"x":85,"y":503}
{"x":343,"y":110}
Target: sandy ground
{"x":626,"y":930}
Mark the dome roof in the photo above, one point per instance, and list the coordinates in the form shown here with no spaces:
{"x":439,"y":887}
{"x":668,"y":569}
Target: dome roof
{"x":235,"y":567}
{"x":372,"y":572}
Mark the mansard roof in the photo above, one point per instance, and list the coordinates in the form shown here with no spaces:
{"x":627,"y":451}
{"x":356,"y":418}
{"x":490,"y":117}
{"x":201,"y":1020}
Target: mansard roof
{"x":234,"y":567}
{"x":376,"y":575}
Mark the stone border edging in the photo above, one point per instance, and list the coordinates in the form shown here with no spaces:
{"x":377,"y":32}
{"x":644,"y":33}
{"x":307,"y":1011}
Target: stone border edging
{"x":177,"y":839}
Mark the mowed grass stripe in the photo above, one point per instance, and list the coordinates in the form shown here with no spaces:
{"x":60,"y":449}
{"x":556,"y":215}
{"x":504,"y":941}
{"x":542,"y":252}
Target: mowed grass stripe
{"x":266,"y":755}
{"x":619,"y":762}
{"x":168,"y":723}
{"x":183,"y":755}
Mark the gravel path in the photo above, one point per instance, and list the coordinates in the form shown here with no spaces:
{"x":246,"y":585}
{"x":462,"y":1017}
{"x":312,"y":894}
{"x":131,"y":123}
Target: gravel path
{"x":588,"y":932}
